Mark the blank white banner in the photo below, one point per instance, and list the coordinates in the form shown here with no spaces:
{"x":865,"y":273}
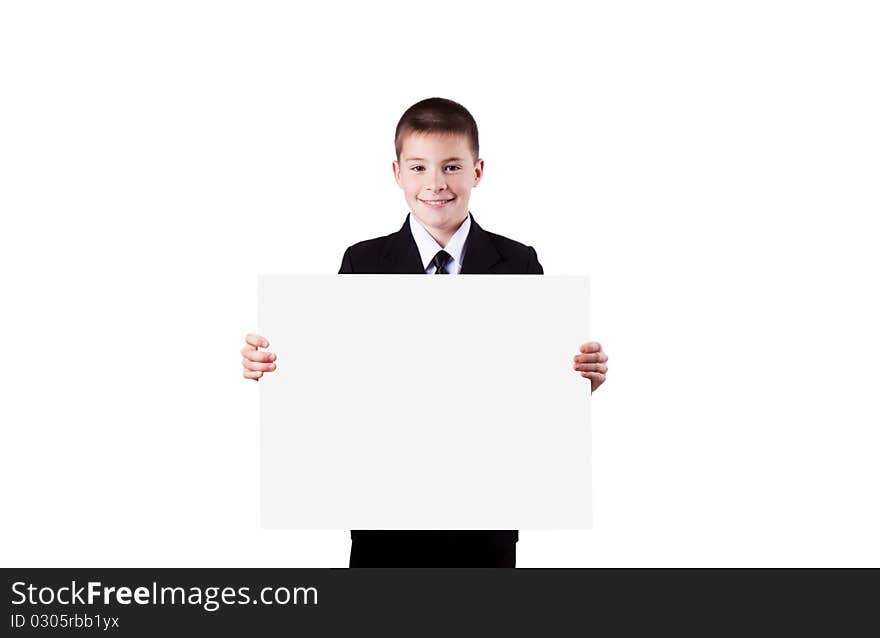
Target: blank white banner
{"x":418,"y":402}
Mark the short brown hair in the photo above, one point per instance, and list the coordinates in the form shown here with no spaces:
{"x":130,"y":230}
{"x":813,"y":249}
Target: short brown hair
{"x":437,"y":115}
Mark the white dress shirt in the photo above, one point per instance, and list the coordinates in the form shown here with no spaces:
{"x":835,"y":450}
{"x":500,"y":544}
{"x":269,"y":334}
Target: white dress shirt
{"x":428,"y":246}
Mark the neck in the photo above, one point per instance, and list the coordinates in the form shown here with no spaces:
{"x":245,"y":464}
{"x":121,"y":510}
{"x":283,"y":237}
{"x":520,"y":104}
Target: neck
{"x":443,"y":235}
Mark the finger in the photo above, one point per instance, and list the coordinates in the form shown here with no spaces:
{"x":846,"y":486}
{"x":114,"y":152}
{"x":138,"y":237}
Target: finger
{"x":261,"y":367}
{"x":596,"y":379}
{"x":259,"y":356}
{"x":591,"y":367}
{"x":251,"y":374}
{"x":591,"y":346}
{"x":256,"y":341}
{"x":594,"y":357}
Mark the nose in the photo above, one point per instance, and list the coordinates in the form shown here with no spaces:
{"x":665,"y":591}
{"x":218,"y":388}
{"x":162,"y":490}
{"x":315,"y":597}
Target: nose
{"x":436,"y":182}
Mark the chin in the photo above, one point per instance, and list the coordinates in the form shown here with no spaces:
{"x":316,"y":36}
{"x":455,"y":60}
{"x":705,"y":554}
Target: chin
{"x":442,"y":217}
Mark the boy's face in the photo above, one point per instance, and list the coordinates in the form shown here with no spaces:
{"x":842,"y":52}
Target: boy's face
{"x":437,"y":173}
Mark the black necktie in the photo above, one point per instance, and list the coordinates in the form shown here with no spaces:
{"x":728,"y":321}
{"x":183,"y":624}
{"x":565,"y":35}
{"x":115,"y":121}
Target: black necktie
{"x":440,"y":260}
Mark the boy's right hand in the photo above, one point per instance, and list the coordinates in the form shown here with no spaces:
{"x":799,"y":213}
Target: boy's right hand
{"x":255,"y":362}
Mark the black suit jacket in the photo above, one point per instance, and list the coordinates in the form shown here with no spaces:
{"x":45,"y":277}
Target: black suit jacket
{"x":397,"y":253}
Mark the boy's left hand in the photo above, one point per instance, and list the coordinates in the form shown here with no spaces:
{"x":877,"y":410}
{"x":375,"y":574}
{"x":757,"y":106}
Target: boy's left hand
{"x":590,"y":362}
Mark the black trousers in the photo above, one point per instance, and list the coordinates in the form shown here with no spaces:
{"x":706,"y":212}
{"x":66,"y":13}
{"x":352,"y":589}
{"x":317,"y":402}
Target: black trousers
{"x":379,"y":554}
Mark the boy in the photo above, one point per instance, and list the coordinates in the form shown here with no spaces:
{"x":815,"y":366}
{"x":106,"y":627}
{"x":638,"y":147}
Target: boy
{"x":437,"y":165}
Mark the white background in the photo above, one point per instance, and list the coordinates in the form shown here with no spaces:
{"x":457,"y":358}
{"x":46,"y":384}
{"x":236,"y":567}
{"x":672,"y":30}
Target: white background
{"x":712,"y":166}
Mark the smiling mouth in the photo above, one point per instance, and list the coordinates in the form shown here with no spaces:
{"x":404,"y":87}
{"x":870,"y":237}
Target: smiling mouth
{"x":436,"y":203}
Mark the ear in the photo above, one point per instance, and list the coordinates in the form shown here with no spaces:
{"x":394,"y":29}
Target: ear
{"x":478,"y":171}
{"x":395,"y":165}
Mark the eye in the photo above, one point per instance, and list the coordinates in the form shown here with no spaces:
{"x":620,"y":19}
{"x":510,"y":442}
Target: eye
{"x":417,"y":168}
{"x":453,"y":168}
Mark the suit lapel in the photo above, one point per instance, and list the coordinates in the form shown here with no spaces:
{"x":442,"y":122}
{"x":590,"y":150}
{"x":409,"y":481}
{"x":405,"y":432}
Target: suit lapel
{"x":402,"y":254}
{"x":480,"y":255}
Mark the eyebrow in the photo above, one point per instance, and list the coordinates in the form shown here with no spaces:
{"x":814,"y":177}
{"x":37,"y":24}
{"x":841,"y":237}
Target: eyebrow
{"x":421,"y":159}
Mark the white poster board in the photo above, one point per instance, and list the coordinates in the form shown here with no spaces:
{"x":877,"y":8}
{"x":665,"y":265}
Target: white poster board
{"x":420,"y":402}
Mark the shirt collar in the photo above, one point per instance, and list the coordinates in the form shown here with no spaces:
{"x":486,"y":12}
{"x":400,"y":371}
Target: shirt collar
{"x":428,"y":246}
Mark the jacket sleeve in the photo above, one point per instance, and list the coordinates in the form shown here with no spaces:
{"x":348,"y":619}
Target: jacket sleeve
{"x":346,"y":267}
{"x":534,"y":266}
